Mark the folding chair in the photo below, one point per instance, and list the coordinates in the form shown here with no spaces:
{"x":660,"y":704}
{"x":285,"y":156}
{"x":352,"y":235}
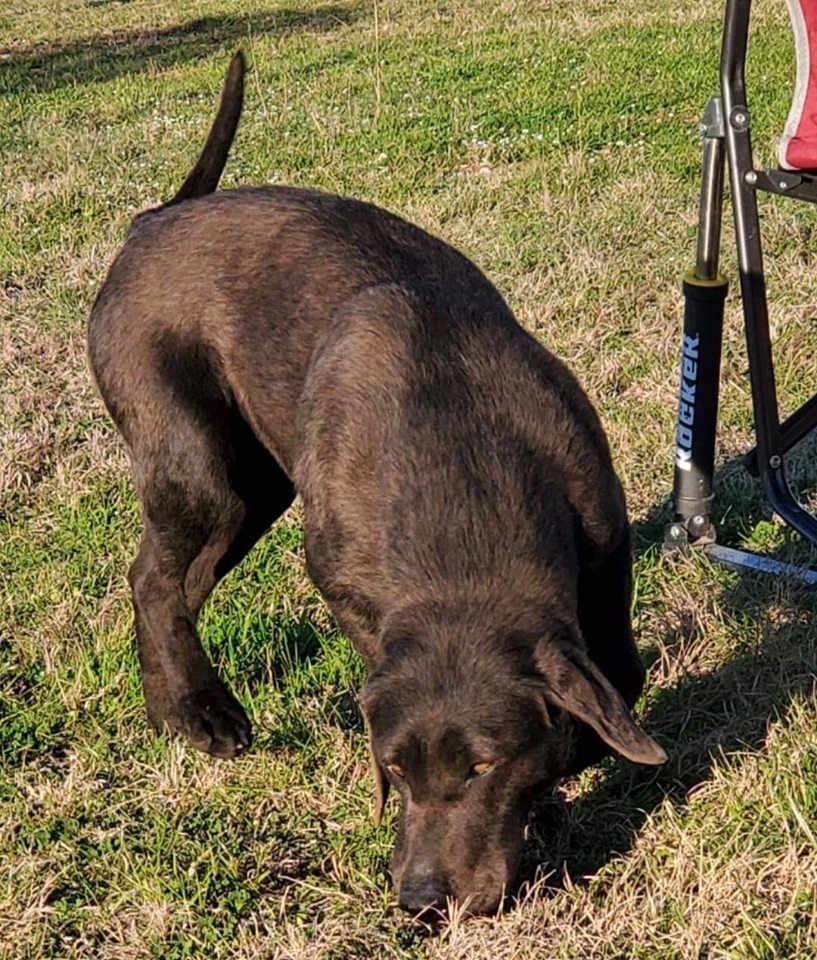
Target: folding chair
{"x":726,"y":128}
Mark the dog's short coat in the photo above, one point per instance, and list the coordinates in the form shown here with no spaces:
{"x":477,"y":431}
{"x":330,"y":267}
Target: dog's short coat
{"x":462,"y":516}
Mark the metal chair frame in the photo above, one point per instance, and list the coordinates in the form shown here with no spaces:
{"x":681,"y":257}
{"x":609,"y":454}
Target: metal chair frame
{"x":726,"y":127}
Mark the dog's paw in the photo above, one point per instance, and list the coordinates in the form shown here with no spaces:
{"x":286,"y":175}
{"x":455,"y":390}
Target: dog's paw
{"x":209,"y":717}
{"x":213,"y":721}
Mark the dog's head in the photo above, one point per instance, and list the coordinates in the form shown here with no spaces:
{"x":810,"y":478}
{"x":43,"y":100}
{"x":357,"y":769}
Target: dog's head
{"x":465,"y":731}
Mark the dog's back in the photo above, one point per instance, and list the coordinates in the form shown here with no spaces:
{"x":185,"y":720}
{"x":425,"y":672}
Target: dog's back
{"x":445,"y":445}
{"x":297,"y":267}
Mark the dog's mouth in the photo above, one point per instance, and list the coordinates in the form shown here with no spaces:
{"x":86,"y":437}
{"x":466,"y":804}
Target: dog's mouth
{"x":480,"y":880}
{"x":436,"y":915}
{"x":432,"y":918}
{"x":436,"y":901}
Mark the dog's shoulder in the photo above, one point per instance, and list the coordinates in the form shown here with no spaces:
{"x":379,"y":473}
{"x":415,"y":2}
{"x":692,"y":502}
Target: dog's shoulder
{"x":550,"y":410}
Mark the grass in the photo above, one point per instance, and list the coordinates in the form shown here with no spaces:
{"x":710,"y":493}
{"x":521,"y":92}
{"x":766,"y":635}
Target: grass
{"x":556,"y":144}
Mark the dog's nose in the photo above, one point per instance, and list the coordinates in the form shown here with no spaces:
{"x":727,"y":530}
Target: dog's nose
{"x":423,"y":892}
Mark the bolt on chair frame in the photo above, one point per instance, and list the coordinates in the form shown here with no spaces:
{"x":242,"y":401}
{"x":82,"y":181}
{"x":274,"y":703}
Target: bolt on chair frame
{"x":726,"y":129}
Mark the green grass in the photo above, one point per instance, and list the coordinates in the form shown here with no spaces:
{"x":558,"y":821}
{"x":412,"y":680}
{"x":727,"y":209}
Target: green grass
{"x":556,"y":144}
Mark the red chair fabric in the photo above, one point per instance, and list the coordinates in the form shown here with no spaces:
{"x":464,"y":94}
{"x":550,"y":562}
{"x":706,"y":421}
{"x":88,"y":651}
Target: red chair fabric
{"x":797,"y":149}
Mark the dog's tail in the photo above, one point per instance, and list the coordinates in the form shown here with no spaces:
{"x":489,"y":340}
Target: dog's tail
{"x":204,"y":177}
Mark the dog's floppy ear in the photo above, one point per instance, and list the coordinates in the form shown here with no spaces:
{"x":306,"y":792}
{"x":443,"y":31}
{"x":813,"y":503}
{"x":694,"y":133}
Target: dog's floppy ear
{"x":381,"y":784}
{"x":575,"y":684}
{"x":368,"y":702}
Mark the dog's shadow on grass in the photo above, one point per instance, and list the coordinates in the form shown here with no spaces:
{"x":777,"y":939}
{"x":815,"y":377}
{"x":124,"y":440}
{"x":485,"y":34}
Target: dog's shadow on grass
{"x":44,"y":67}
{"x":701,"y":717}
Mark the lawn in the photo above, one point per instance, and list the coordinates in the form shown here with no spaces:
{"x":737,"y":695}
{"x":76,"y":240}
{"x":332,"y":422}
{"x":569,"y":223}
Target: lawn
{"x":556,"y":144}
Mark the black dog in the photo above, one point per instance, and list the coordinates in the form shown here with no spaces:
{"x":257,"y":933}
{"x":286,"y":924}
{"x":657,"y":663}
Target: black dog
{"x":463,"y":520}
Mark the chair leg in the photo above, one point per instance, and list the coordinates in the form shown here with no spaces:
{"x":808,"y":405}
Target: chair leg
{"x":704,"y":294}
{"x":793,"y":430}
{"x":770,"y":448}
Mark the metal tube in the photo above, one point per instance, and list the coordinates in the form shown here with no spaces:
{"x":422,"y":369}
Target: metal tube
{"x":704,"y":294}
{"x":709,"y":213}
{"x":693,"y":486}
{"x":747,"y":232}
{"x":757,"y":563}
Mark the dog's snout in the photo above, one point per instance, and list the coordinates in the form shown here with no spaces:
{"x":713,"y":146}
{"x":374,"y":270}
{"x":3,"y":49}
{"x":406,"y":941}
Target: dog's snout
{"x":423,"y":891}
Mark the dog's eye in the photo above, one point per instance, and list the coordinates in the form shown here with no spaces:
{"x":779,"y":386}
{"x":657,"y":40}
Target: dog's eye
{"x":481,"y":768}
{"x":395,"y":770}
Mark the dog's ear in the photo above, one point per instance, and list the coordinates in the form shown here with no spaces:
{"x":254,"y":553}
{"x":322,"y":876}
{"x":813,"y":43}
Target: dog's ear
{"x":381,"y":784}
{"x":369,"y":701}
{"x":574,"y":683}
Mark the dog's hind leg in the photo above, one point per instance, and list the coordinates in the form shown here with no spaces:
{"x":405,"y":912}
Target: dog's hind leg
{"x":209,"y":490}
{"x":261,"y":492}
